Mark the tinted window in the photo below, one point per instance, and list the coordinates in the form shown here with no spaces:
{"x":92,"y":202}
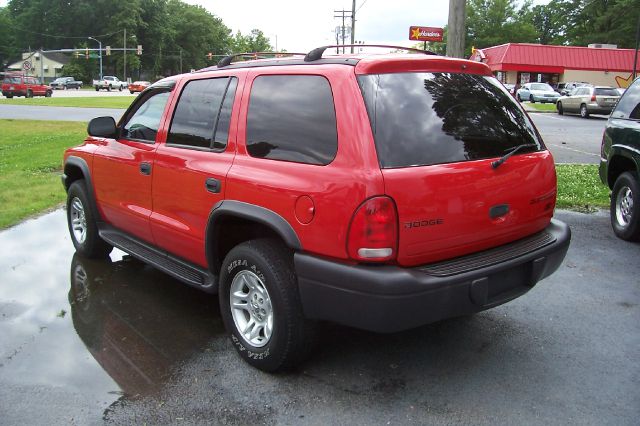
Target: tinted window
{"x":606,"y":92}
{"x":629,"y":103}
{"x":540,"y":86}
{"x":145,"y":121}
{"x":199,"y":108}
{"x":428,"y":118}
{"x":292,"y":118}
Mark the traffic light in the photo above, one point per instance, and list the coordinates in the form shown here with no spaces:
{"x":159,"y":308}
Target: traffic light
{"x":139,"y":50}
{"x":108,"y":49}
{"x":209,"y":56}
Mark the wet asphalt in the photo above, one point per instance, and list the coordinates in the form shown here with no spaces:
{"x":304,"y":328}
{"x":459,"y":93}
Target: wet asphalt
{"x":117,"y":342}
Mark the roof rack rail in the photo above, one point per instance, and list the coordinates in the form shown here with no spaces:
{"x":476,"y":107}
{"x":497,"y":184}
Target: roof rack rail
{"x":226,"y":61}
{"x":316,"y":53}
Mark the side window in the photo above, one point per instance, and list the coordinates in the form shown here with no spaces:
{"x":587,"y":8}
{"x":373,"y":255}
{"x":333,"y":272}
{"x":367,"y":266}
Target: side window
{"x":145,"y":121}
{"x":203,"y":113}
{"x":292,"y":118}
{"x":629,"y":104}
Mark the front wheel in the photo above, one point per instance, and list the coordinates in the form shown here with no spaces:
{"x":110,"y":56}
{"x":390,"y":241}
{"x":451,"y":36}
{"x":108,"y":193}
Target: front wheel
{"x":261,"y":307}
{"x":559,"y":107}
{"x":531,"y":99}
{"x":82,"y":223}
{"x":625,"y":214}
{"x":48,"y":94}
{"x":120,"y":89}
{"x":97,"y":89}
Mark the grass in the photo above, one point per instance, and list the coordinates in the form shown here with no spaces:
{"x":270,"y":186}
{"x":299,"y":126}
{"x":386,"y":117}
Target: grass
{"x":580,"y":188}
{"x":30,"y":166}
{"x":80,"y":102}
{"x":543,"y":107}
{"x":31,"y":158}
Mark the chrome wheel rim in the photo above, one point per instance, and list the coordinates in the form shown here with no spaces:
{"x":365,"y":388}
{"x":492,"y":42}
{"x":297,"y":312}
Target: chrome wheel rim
{"x":251,"y":308}
{"x":624,"y":206}
{"x":78,"y":220}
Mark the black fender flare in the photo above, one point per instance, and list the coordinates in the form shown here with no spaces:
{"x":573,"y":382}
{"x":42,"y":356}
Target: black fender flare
{"x":251,"y":212}
{"x":73,"y":161}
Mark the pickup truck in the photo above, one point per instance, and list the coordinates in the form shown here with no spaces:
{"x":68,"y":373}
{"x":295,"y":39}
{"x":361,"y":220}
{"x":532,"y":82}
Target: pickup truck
{"x":109,"y":83}
{"x":65,"y":83}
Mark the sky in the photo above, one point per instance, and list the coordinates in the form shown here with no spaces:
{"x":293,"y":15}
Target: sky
{"x":301,"y":25}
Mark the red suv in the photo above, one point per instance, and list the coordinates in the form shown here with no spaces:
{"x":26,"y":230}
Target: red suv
{"x":20,"y":85}
{"x":383,"y":192}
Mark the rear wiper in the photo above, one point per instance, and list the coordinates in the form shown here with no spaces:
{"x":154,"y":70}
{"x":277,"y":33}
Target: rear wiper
{"x":497,"y":163}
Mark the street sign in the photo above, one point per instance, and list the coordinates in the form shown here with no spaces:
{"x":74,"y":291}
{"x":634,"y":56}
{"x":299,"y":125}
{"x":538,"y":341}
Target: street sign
{"x":426,"y":33}
{"x":26,"y":65}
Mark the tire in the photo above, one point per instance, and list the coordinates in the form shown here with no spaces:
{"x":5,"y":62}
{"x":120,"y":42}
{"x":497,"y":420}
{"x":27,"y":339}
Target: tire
{"x":9,"y":96}
{"x":559,"y":108}
{"x":109,"y":88}
{"x":518,"y":98}
{"x":259,"y":275}
{"x":531,"y":99}
{"x":131,"y":91}
{"x":120,"y":89}
{"x":82,"y":224}
{"x":47,"y":94}
{"x":625,"y":207}
{"x":29,"y":94}
{"x":584,"y":113}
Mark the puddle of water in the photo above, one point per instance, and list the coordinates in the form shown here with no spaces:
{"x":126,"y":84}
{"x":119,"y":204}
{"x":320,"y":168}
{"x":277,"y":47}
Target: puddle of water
{"x":90,"y":330}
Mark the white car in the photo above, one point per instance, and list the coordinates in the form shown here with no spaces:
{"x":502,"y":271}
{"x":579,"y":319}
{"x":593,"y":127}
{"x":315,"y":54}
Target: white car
{"x":537,"y":92}
{"x":109,"y":83}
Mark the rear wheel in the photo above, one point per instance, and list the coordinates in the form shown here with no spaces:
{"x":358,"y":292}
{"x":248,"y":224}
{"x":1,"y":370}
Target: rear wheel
{"x":82,"y":223}
{"x":29,"y":94}
{"x":261,"y":307}
{"x":48,"y":94}
{"x":531,"y":99}
{"x":584,"y":113}
{"x":120,"y":89}
{"x":559,"y":108}
{"x":625,"y":213}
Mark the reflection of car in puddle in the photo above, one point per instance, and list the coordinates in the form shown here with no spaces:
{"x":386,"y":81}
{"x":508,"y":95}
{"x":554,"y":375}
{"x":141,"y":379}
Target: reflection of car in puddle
{"x":138,"y":323}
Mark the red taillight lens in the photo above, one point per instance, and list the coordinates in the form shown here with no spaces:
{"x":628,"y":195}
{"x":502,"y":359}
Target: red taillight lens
{"x":373,"y":234}
{"x":593,"y":98}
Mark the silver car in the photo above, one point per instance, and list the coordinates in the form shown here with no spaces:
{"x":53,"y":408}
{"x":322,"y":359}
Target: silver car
{"x":537,"y":92}
{"x":589,"y":100}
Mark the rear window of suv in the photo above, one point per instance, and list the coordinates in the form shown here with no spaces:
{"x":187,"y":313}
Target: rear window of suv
{"x":602,"y":91}
{"x":421,"y":119}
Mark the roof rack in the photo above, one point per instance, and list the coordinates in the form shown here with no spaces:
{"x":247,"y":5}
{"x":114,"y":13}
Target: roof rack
{"x":316,"y":53}
{"x":226,"y":61}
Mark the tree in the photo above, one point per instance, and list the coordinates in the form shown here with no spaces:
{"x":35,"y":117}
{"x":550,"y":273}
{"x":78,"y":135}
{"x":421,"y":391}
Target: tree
{"x":254,"y":42}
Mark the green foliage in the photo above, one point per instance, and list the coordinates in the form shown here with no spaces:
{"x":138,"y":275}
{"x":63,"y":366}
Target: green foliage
{"x":579,"y":188}
{"x":254,"y":42}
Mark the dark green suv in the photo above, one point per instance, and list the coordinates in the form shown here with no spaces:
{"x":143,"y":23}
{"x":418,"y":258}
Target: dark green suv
{"x":620,"y":163}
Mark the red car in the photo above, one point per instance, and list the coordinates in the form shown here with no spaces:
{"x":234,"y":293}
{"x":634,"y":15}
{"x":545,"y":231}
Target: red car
{"x":138,"y":86}
{"x":20,"y":85}
{"x":383,"y":192}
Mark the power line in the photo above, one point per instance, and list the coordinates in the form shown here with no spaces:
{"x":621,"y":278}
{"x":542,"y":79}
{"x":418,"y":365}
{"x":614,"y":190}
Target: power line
{"x":363,"y":3}
{"x":60,"y":36}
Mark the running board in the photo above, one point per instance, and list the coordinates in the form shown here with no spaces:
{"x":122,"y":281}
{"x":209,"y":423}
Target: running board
{"x":186,"y":272}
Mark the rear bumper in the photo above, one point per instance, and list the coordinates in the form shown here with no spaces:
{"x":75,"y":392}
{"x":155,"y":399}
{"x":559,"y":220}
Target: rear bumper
{"x":543,"y":99}
{"x":392,"y":298}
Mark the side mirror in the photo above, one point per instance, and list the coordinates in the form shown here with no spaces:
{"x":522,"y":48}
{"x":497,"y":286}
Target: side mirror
{"x":102,"y":127}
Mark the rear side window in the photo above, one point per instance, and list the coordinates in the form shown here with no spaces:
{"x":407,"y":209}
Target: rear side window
{"x":629,"y":104}
{"x":292,"y":118}
{"x":203,"y":113}
{"x":434,"y":118}
{"x":599,"y":91}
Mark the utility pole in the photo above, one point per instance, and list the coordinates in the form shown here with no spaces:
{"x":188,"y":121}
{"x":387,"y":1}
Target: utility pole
{"x":343,"y":14}
{"x":456,"y":28}
{"x":125,"y":55}
{"x":100,"y":53}
{"x":353,"y":23}
{"x":635,"y":57}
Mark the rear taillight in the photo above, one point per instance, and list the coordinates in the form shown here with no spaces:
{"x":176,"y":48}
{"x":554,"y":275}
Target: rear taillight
{"x":593,"y":98}
{"x":373,"y":234}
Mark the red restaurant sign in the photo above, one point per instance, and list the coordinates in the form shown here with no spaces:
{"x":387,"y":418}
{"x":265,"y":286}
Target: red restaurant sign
{"x":425,"y":33}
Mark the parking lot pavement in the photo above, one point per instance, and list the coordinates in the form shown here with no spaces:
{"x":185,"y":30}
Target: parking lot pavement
{"x":119,"y":342}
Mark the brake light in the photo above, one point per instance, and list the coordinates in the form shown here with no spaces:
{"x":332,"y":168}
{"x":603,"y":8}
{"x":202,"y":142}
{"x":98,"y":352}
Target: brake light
{"x":373,"y":234}
{"x":593,"y":98}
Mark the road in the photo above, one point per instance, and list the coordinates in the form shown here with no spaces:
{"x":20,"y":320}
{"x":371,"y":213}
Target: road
{"x":120,"y":343}
{"x":24,"y":112}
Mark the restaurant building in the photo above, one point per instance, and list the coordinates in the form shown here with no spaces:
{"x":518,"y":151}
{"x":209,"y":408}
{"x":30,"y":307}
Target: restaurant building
{"x":520,"y":63}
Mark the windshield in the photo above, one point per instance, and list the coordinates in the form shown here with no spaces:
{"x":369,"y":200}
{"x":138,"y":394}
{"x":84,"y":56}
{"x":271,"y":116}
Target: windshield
{"x":541,"y":86}
{"x":433,"y":118}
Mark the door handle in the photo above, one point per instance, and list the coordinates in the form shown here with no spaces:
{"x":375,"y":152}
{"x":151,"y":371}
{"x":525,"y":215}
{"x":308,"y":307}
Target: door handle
{"x":213,"y":185}
{"x":145,"y":168}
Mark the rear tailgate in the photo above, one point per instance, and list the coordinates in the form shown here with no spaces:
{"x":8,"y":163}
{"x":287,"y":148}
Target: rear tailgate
{"x":437,"y":136}
{"x":606,"y":97}
{"x":450,"y":210}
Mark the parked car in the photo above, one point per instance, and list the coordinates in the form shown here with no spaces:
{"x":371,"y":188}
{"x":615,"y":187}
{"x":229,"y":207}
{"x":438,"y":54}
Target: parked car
{"x":587,"y":100}
{"x":20,"y":85}
{"x":571,"y":86}
{"x":511,"y":88}
{"x":537,"y":92}
{"x":421,"y":212}
{"x":620,"y":163}
{"x":138,"y":86}
{"x":65,"y":83}
{"x":620,"y":90}
{"x":109,"y":83}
